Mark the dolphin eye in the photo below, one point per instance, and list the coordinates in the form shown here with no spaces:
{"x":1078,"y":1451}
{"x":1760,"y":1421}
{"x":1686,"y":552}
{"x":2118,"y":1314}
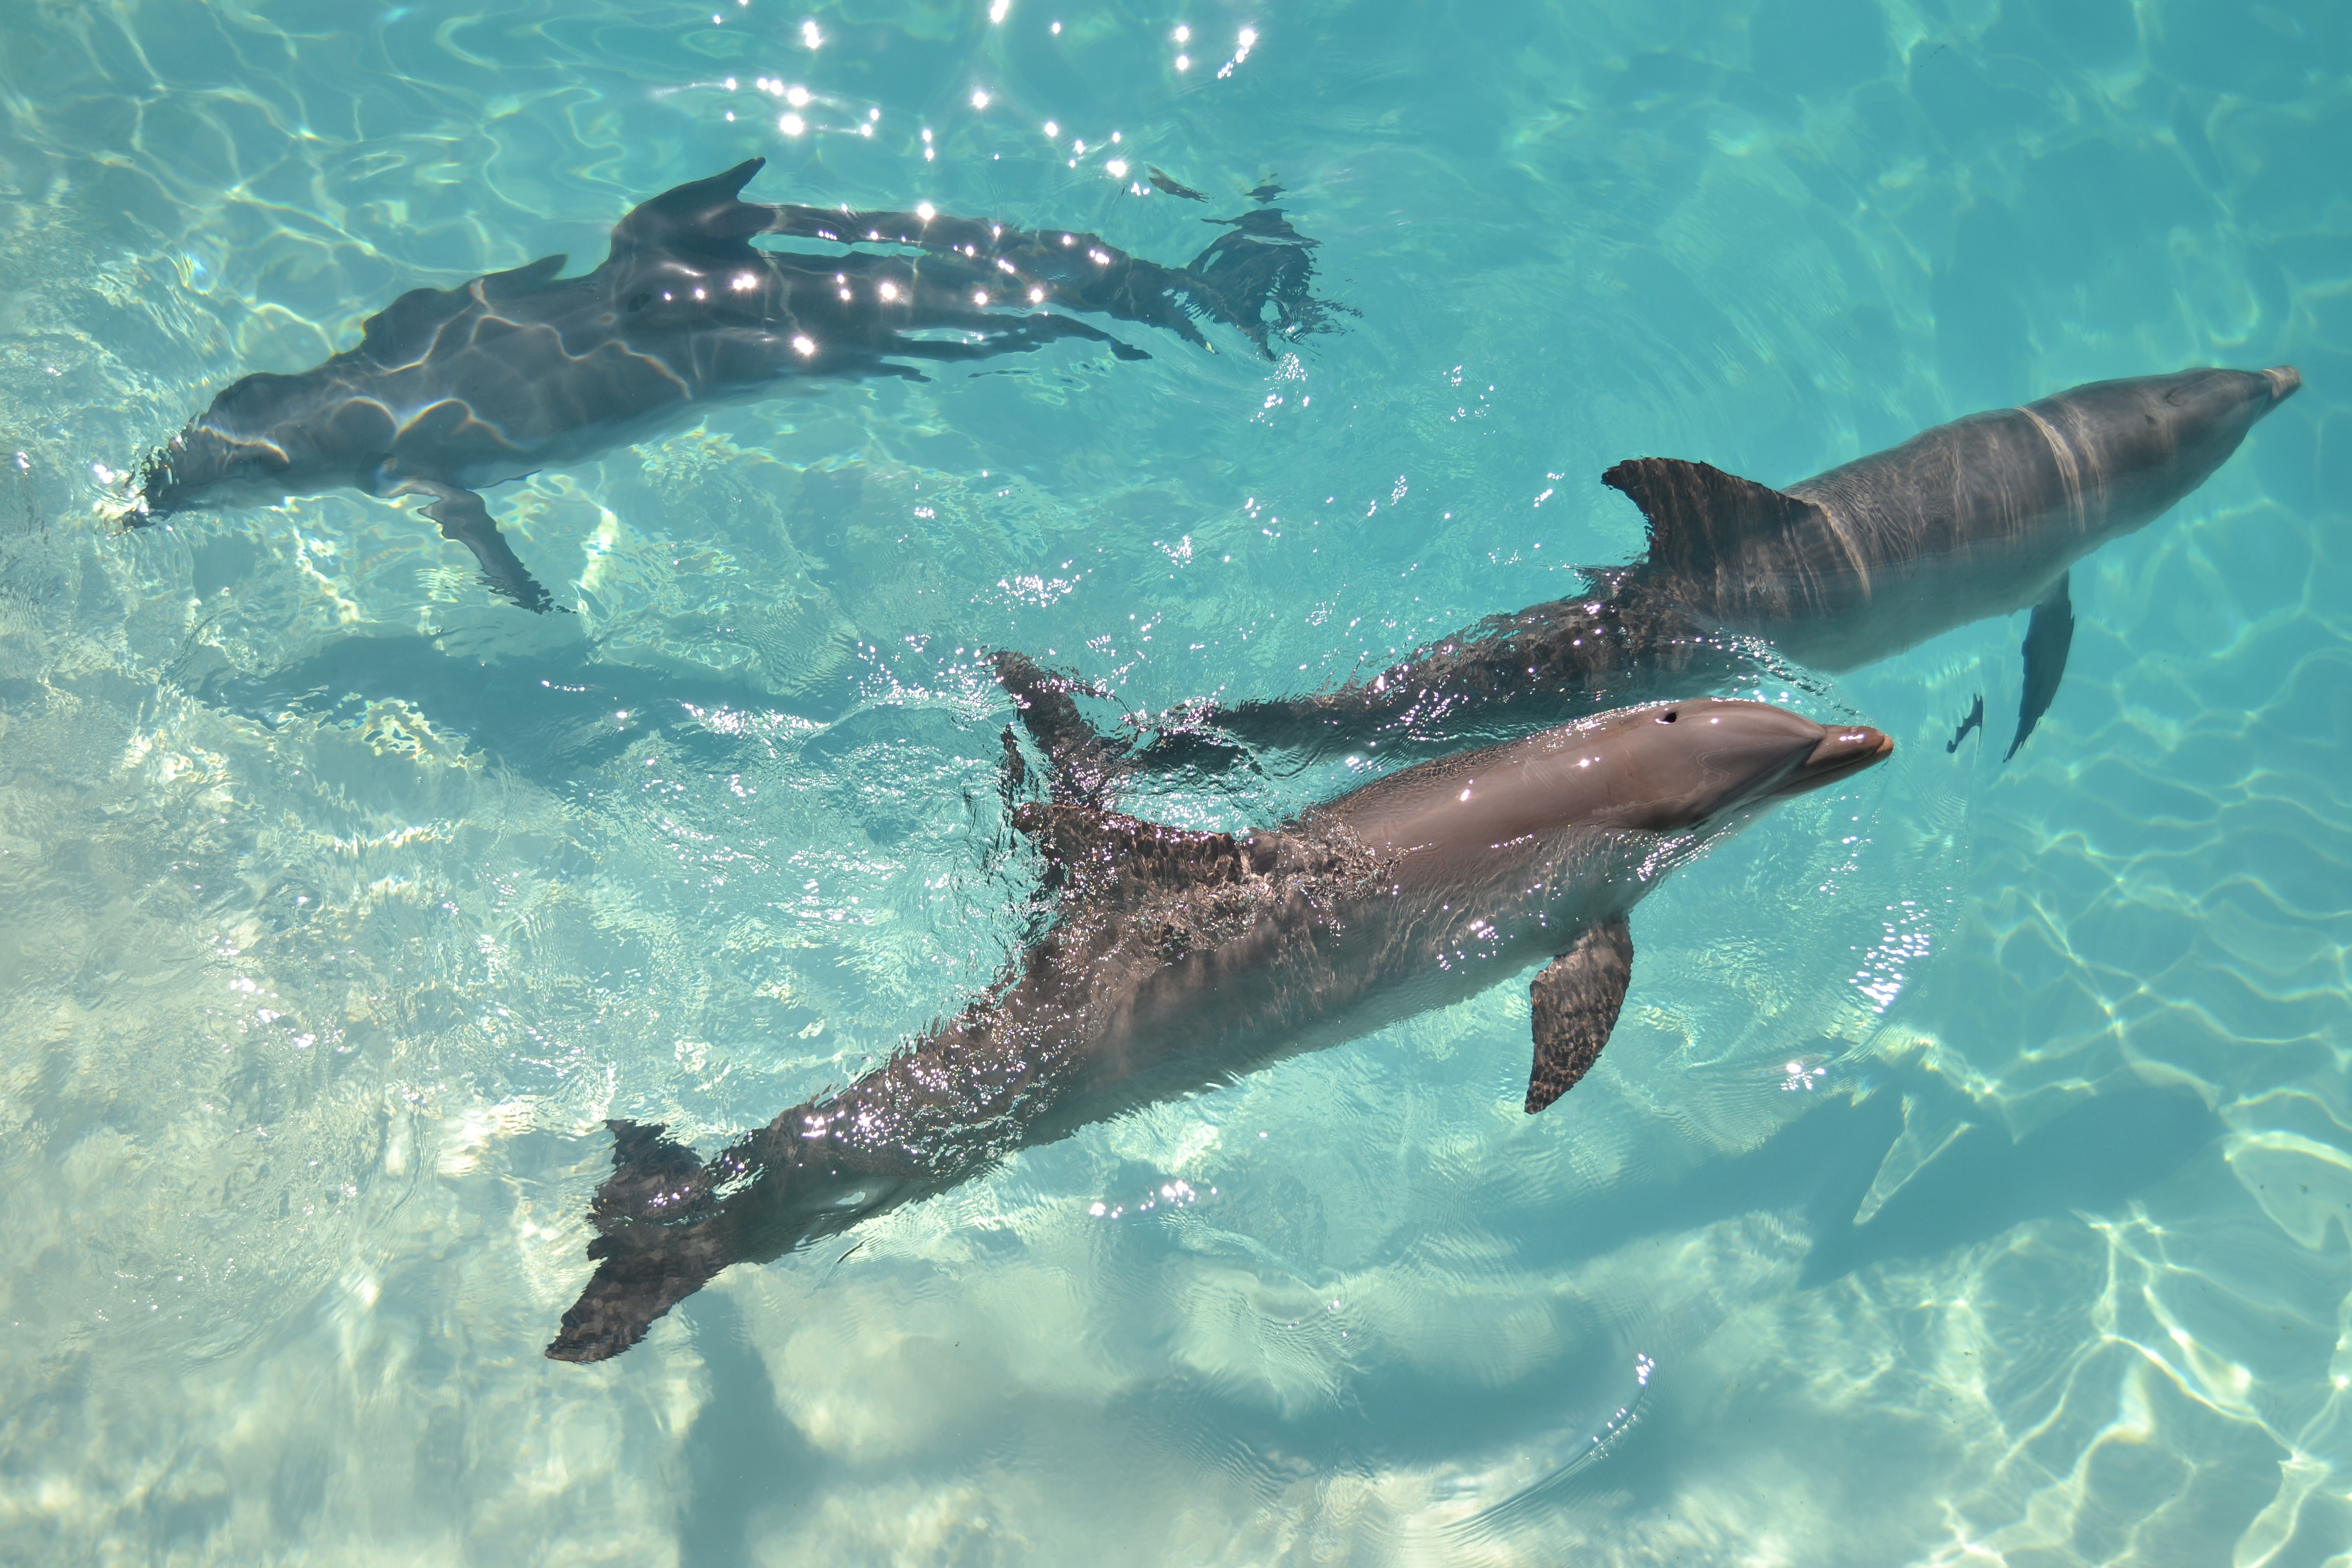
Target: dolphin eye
{"x":1668,"y":717}
{"x":639,"y":302}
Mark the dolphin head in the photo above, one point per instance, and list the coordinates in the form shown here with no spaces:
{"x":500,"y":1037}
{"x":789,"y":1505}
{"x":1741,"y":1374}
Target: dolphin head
{"x":2210,"y":411}
{"x":254,"y":438}
{"x":1675,"y":766}
{"x":2154,"y":438}
{"x":1664,"y":767}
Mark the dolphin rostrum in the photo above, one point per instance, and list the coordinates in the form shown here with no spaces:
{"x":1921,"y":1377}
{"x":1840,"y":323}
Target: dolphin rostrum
{"x":450,"y":390}
{"x":1970,"y":520}
{"x":1177,"y":961}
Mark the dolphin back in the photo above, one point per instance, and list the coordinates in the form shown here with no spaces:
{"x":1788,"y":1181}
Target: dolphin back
{"x":461,"y":388}
{"x":1977,"y":518}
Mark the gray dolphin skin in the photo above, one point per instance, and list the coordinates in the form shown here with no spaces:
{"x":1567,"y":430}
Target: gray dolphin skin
{"x":451,"y":389}
{"x":1970,"y":519}
{"x":1174,"y":962}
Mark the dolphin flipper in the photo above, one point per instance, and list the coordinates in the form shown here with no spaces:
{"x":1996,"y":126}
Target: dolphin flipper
{"x":2048,"y":637}
{"x":1577,"y":999}
{"x":464,"y":518}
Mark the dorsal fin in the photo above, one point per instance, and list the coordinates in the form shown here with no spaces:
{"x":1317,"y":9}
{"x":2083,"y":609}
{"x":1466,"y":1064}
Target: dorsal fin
{"x":518,"y":280}
{"x":1699,"y":513}
{"x":403,"y":330}
{"x":701,"y":218}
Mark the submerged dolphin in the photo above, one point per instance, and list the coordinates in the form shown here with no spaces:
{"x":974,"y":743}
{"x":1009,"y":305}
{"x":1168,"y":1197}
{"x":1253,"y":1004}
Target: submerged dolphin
{"x":1178,"y":961}
{"x":1970,"y":520}
{"x":451,"y":389}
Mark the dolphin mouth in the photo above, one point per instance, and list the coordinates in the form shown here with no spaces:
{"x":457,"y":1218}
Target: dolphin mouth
{"x":1841,"y":752}
{"x":2286,"y":381}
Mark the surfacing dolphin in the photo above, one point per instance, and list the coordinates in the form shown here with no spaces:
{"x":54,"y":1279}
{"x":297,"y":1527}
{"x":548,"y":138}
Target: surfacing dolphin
{"x":451,"y":389}
{"x":1175,"y":961}
{"x":1970,"y":519}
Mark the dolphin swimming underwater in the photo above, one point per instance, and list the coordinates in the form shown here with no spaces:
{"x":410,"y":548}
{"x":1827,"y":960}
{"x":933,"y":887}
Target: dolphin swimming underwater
{"x":451,"y":389}
{"x":1970,"y":519}
{"x":1176,"y":961}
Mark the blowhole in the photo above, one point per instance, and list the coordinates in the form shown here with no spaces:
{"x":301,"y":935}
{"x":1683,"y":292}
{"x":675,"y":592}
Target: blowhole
{"x":640,"y":301}
{"x":1668,"y":717}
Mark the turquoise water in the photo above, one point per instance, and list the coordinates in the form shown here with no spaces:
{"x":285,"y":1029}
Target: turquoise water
{"x":1969,"y":1180}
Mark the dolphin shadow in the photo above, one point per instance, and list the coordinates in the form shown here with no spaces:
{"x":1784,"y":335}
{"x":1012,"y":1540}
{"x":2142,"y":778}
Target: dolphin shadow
{"x":450,"y":391}
{"x":741,"y":1458}
{"x":2094,"y":1157}
{"x":549,"y":716}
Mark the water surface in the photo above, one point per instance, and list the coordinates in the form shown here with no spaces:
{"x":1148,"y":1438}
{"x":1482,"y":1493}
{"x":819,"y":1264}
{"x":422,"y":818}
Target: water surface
{"x":1969,"y":1180}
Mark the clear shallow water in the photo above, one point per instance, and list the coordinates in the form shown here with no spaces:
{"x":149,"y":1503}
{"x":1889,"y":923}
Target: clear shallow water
{"x":341,"y":903}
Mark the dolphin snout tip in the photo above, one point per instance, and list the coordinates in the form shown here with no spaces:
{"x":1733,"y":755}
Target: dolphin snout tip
{"x":2286,"y":381}
{"x":1848,"y":749}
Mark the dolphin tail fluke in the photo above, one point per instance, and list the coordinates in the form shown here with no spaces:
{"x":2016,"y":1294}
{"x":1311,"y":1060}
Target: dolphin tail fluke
{"x":645,"y":1266}
{"x":1975,"y":720}
{"x":1086,"y":763}
{"x":2049,"y":638}
{"x":464,"y":520}
{"x":634,"y":1284}
{"x":1257,"y":278}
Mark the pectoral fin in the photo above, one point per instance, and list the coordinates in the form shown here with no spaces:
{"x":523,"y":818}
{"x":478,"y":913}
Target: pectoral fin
{"x":464,"y":518}
{"x":2048,"y":637}
{"x":1577,"y":999}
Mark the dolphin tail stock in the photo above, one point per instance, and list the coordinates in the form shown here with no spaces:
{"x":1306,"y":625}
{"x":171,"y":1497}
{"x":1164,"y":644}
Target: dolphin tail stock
{"x":1082,"y":270}
{"x":1086,"y":765}
{"x":2049,"y":636}
{"x":1257,"y":278}
{"x":464,"y":520}
{"x":646,"y":1264}
{"x":1016,"y":335}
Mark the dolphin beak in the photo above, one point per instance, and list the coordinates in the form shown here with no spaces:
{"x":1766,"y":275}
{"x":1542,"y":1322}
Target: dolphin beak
{"x":1841,"y":752}
{"x":2286,"y":381}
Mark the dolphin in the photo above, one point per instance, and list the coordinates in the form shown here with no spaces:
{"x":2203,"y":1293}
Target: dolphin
{"x":451,"y":389}
{"x":1970,"y":519}
{"x":1172,"y":961}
